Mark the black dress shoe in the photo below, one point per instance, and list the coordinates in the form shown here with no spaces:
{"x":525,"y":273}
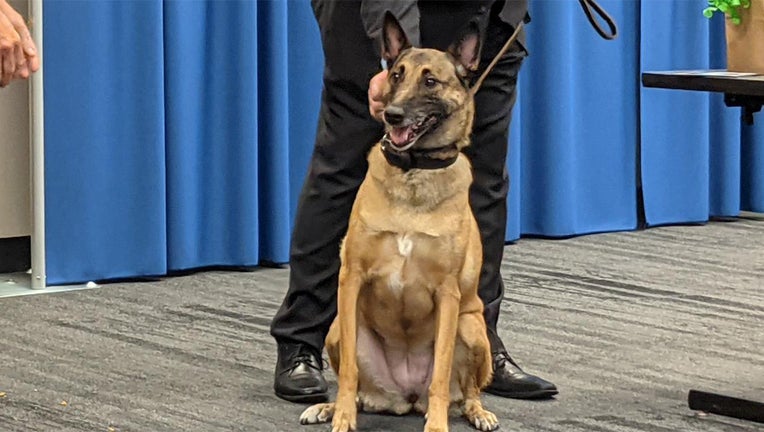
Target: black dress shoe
{"x":511,"y":382}
{"x":299,"y":374}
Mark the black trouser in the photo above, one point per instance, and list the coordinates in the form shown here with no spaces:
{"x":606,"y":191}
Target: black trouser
{"x":345,"y":134}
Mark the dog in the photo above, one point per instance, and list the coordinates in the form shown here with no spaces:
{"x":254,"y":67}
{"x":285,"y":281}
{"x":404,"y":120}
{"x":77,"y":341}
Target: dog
{"x":409,"y":335}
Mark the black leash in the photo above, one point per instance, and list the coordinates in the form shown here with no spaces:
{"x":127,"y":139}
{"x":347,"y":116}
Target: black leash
{"x":591,"y":6}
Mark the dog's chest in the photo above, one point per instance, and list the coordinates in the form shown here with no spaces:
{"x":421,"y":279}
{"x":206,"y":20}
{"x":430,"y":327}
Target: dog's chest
{"x":408,"y":265}
{"x":396,"y":277}
{"x":405,"y":245}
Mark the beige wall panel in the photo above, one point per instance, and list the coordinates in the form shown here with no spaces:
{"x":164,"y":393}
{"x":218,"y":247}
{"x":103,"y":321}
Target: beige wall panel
{"x":15,"y":214}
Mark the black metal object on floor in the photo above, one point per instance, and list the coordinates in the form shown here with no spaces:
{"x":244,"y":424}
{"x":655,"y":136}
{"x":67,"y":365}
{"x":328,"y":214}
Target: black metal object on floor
{"x":726,"y":406}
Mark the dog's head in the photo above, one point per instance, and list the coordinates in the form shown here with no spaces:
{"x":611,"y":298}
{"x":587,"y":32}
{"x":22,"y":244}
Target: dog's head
{"x":427,"y":102}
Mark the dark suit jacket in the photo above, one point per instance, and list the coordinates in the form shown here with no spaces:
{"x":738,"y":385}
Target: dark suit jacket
{"x":408,"y":14}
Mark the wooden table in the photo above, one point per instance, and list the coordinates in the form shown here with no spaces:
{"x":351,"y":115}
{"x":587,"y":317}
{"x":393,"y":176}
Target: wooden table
{"x":745,"y":90}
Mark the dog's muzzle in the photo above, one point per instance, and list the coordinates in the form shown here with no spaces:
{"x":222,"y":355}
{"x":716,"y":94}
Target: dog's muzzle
{"x":404,"y":137}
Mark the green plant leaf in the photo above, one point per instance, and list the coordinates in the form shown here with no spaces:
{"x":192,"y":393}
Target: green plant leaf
{"x":730,"y":8}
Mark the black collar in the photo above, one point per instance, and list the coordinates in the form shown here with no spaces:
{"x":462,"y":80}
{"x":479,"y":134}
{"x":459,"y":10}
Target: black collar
{"x":417,"y":159}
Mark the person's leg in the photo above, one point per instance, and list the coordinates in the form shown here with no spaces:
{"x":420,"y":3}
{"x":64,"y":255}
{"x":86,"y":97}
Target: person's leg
{"x":488,"y":153}
{"x":338,"y":165}
{"x":441,"y":22}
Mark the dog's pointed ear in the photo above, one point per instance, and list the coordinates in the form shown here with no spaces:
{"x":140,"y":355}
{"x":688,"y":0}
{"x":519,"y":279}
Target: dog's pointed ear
{"x":394,"y":39}
{"x":466,"y":50}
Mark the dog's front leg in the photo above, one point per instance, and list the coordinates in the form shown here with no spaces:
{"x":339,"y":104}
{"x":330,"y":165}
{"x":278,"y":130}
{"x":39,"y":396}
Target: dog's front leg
{"x":447,"y":301}
{"x":345,"y":409}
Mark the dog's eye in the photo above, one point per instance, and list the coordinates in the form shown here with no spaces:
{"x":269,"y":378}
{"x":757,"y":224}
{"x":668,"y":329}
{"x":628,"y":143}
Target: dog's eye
{"x":396,"y":76}
{"x":430,"y":82}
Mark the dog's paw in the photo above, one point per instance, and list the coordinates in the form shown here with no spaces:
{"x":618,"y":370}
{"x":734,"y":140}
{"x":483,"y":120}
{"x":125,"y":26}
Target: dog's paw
{"x":432,"y":426}
{"x":318,"y":413}
{"x":483,"y":420}
{"x":344,"y":420}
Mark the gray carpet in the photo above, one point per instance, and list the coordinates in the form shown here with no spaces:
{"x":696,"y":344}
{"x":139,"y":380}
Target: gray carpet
{"x":624,"y":323}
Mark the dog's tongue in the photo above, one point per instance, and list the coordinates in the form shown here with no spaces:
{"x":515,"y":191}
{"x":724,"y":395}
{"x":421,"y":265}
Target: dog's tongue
{"x":401,"y":136}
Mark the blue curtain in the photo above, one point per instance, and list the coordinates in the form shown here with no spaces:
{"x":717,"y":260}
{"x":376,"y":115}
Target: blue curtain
{"x":105,"y":171}
{"x":178,"y":133}
{"x":573,"y":159}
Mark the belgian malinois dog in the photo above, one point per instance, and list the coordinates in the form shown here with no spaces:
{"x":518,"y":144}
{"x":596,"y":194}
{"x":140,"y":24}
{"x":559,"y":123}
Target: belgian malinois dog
{"x":409,"y":334}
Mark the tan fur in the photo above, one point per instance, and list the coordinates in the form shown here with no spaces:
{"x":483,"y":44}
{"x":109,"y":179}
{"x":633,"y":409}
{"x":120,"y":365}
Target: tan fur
{"x":410,"y":266}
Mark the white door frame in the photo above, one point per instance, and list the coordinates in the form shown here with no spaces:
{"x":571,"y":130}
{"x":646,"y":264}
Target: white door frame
{"x":37,"y":153}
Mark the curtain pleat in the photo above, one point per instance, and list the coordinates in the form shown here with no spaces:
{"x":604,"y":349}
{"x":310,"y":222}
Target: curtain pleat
{"x":752,"y":157}
{"x":273,"y":122}
{"x":212,"y":142}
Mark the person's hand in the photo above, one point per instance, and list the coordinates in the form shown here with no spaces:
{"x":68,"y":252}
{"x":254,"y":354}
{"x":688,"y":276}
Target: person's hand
{"x":9,"y":40}
{"x":376,"y":91}
{"x":18,"y":53}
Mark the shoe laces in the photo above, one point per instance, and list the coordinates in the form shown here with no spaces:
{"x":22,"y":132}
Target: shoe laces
{"x":500,"y":360}
{"x":304,"y":355}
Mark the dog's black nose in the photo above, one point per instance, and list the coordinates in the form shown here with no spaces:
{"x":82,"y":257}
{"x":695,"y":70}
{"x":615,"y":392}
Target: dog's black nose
{"x":394,"y":115}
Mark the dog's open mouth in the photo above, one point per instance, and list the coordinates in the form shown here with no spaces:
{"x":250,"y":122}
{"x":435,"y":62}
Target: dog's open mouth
{"x":403,"y":137}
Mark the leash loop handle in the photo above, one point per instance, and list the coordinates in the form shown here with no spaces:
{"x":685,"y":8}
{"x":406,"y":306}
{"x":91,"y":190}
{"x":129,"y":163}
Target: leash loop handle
{"x":591,"y":6}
